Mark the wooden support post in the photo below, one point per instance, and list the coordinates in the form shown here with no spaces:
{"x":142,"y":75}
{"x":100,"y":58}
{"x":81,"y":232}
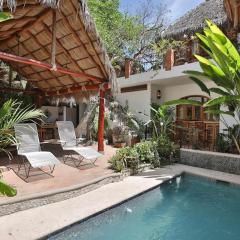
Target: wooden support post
{"x":54,"y":36}
{"x":39,"y":100}
{"x":101,"y":121}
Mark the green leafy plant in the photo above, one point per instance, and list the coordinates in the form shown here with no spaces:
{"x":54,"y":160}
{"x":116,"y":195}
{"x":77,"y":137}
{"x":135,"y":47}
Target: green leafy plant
{"x":4,"y":16}
{"x":7,"y":190}
{"x":223,"y":143}
{"x":162,"y":120}
{"x":146,"y":151}
{"x":165,"y":149}
{"x":12,"y":113}
{"x":223,"y":69}
{"x":119,"y":160}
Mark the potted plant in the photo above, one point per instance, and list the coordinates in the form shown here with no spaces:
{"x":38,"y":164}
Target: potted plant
{"x":118,"y":135}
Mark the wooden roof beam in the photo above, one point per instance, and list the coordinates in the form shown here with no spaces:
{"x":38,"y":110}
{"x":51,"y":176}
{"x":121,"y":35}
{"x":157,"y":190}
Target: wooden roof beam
{"x":89,"y":41}
{"x":17,"y":20}
{"x":43,"y":48}
{"x":78,"y":40}
{"x":40,"y":17}
{"x":46,"y":29}
{"x":10,"y":57}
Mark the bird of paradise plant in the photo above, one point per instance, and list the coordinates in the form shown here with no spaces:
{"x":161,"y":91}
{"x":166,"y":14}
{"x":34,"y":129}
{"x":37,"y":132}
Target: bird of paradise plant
{"x":12,"y":113}
{"x":223,"y":69}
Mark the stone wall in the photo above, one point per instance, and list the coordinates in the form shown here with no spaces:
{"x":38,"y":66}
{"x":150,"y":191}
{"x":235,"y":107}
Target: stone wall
{"x":223,"y":162}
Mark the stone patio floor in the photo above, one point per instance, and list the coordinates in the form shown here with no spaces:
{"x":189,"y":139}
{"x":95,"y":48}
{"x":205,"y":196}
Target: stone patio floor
{"x":64,"y":175}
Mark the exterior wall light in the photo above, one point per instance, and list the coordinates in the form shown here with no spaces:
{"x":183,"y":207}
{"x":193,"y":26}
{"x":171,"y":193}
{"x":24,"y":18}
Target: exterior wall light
{"x":159,"y":94}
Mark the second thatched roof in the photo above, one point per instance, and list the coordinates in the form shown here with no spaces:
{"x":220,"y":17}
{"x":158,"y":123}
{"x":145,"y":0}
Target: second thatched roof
{"x":193,"y":20}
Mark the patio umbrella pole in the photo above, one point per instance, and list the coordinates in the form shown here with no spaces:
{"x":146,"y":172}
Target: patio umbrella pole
{"x":101,"y":121}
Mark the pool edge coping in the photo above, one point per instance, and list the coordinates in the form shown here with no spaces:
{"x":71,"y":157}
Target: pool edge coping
{"x":61,"y":190}
{"x":210,"y":177}
{"x":111,"y":207}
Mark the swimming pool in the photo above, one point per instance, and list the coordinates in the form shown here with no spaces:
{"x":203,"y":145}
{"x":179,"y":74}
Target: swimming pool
{"x":185,"y":208}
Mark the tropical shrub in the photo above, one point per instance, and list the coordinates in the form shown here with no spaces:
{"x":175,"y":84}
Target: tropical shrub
{"x":12,"y":113}
{"x":146,"y":151}
{"x":165,"y":150}
{"x":223,"y":143}
{"x":119,"y":160}
{"x":162,"y":120}
{"x":156,"y":153}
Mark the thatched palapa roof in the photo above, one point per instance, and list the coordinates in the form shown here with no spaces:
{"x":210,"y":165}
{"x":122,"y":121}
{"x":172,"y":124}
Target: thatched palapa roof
{"x":193,"y":20}
{"x":78,"y":46}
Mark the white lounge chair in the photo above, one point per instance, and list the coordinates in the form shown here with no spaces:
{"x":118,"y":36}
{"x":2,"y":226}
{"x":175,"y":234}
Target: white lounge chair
{"x":28,"y":147}
{"x":70,"y":144}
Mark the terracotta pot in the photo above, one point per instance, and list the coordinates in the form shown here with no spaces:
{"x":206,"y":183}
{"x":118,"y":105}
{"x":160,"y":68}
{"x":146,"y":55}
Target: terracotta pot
{"x":119,"y":144}
{"x":135,"y":140}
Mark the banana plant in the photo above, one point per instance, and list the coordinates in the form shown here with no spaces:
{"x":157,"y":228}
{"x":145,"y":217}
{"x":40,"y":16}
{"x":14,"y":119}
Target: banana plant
{"x":162,"y":120}
{"x":12,"y":113}
{"x":223,"y":68}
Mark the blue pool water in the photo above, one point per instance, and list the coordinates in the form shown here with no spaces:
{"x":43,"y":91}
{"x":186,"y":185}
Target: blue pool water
{"x":186,"y":208}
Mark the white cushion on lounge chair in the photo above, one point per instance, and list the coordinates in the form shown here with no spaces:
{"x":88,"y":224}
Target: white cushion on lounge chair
{"x":41,"y":159}
{"x":86,"y":152}
{"x":69,"y":141}
{"x":67,"y":133}
{"x":29,"y":146}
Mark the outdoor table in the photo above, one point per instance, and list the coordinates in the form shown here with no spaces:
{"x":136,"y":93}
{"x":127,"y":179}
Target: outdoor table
{"x":42,"y":129}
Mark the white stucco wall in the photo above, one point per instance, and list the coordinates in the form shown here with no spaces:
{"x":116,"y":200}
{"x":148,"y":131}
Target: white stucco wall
{"x":183,"y":90}
{"x":69,"y":114}
{"x":173,"y":84}
{"x":53,"y":112}
{"x":138,"y":101}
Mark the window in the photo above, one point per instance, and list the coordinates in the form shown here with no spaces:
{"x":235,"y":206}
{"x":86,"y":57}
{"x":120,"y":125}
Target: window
{"x":194,"y":113}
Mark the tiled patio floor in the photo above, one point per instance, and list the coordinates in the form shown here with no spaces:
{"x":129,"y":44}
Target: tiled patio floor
{"x":63,"y":176}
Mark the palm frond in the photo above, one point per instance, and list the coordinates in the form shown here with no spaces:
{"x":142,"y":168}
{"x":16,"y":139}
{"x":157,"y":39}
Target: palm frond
{"x":7,"y":190}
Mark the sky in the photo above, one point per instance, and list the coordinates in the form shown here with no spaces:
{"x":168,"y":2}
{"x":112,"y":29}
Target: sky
{"x":177,"y":7}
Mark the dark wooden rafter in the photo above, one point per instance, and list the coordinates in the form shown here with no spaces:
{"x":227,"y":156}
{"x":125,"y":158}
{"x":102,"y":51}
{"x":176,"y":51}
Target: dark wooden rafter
{"x":89,"y":41}
{"x":15,"y":21}
{"x":10,"y":57}
{"x":78,"y":40}
{"x":46,"y":30}
{"x":47,"y":52}
{"x":134,"y":88}
{"x":25,"y":49}
{"x":40,"y":17}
